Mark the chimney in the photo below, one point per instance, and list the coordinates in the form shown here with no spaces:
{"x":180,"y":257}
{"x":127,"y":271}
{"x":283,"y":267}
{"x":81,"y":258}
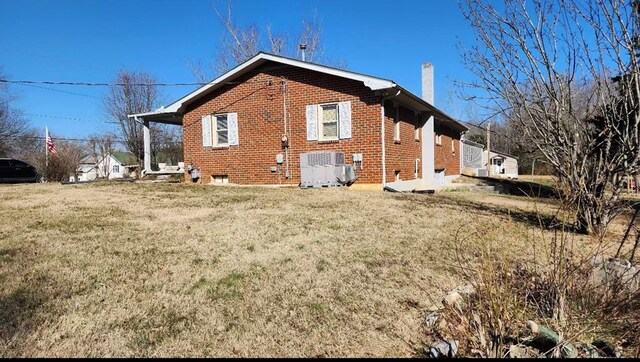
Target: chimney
{"x":427,"y":83}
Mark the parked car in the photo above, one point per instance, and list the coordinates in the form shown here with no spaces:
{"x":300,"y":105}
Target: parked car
{"x":12,"y":171}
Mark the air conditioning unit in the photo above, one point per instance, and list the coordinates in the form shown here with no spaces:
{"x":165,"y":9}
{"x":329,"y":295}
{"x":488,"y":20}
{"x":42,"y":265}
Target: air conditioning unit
{"x":321,"y":168}
{"x":482,"y":172}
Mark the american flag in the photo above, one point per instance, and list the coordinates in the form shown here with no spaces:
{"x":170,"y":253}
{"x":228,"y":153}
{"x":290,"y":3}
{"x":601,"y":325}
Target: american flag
{"x":50,"y":145}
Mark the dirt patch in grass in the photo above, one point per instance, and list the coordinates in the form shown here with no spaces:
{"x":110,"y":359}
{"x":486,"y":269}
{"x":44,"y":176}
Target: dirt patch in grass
{"x":190,"y":270}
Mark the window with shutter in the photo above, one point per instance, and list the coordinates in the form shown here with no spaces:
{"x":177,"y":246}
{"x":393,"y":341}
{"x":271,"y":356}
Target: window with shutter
{"x":344,"y":119}
{"x":222,"y":130}
{"x":312,"y":125}
{"x":206,"y":131}
{"x":328,"y":122}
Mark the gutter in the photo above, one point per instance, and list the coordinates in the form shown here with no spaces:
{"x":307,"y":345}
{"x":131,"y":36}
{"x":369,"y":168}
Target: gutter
{"x":384,"y":163}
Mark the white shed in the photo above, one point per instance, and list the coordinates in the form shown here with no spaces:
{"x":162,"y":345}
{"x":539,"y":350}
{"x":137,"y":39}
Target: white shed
{"x":502,"y":164}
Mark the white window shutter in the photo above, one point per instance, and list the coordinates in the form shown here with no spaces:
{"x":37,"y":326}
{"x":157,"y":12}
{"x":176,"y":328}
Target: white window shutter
{"x":207,"y":140}
{"x":345,"y":119}
{"x":312,"y":122}
{"x":232,"y":119}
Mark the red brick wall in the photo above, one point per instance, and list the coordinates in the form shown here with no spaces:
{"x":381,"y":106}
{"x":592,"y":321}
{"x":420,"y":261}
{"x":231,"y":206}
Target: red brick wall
{"x":444,"y":156}
{"x":260,"y":125}
{"x":401,"y":155}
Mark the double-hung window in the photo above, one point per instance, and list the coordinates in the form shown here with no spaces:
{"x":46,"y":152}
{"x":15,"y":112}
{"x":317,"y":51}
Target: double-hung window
{"x":220,"y":130}
{"x":328,"y":122}
{"x":221,"y":127}
{"x":115,"y":169}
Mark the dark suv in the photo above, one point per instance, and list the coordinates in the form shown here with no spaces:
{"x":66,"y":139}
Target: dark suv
{"x":12,"y":170}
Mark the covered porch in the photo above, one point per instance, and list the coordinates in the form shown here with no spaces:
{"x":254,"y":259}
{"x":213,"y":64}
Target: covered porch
{"x":161,"y":117}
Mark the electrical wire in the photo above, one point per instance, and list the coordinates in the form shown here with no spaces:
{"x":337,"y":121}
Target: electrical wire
{"x":97,"y":84}
{"x":54,"y":90}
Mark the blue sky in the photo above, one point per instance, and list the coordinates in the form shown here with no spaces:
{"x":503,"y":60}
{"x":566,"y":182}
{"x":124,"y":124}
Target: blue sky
{"x":90,"y":40}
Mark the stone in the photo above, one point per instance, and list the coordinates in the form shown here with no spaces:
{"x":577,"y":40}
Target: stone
{"x":443,"y":349}
{"x":457,"y":296}
{"x":431,"y":318}
{"x":612,"y":271}
{"x":520,"y":351}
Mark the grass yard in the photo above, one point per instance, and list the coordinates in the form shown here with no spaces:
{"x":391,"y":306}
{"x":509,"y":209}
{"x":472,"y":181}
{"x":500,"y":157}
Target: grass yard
{"x":193,"y":270}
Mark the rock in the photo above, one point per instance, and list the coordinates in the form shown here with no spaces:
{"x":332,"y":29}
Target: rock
{"x":609,"y":272}
{"x":443,"y":349}
{"x":520,"y":351}
{"x":431,"y":318}
{"x":605,"y":348}
{"x":547,"y":336}
{"x":457,"y":296}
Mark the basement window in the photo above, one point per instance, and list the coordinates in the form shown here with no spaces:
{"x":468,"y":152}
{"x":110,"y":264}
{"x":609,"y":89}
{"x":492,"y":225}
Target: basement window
{"x":220,"y":179}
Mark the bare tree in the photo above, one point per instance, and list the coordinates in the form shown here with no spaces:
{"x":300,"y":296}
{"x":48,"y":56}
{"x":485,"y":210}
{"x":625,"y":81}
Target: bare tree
{"x":132,"y":93}
{"x":12,"y":123}
{"x":61,"y":165}
{"x":240,"y":43}
{"x":167,"y":144}
{"x":550,"y":65}
{"x":100,"y":147}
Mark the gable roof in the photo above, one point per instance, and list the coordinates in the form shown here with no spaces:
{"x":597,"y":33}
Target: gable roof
{"x":172,"y":113}
{"x":502,"y":154}
{"x":124,"y":158}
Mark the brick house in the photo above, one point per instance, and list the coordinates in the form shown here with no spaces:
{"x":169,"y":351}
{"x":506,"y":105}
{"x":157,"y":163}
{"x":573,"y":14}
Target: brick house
{"x":270,"y":107}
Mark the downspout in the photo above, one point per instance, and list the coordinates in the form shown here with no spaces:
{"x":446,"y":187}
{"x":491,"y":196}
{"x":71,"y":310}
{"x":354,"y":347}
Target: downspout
{"x":384,"y":163}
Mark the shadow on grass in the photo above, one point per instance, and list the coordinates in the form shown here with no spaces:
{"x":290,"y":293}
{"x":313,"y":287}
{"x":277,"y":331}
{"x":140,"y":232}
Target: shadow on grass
{"x":23,"y":307}
{"x":532,"y":218}
{"x":519,"y":188}
{"x":19,"y":311}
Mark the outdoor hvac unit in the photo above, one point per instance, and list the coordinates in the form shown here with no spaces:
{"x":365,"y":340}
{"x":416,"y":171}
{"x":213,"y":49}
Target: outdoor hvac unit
{"x":482,"y":172}
{"x":324,"y":169}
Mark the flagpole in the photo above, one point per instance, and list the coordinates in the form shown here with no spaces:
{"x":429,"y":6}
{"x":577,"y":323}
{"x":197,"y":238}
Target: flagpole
{"x":46,"y":146}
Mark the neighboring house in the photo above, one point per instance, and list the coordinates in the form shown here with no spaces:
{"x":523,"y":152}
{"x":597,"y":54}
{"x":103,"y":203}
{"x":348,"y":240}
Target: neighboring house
{"x":250,"y":125}
{"x":502,"y":164}
{"x":472,"y":163}
{"x":86,"y":171}
{"x":117,"y":165}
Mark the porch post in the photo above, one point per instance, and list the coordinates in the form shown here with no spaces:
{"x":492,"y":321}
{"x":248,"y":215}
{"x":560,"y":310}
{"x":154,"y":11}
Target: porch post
{"x":147,"y":146}
{"x":428,"y":152}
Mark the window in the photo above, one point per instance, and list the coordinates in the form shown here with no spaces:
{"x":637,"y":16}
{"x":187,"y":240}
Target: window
{"x":115,"y":169}
{"x":417,"y":133}
{"x":396,"y":126}
{"x":329,"y":122}
{"x":397,"y":175}
{"x":221,"y":134}
{"x":438,"y":135}
{"x":453,"y":145}
{"x":220,"y":179}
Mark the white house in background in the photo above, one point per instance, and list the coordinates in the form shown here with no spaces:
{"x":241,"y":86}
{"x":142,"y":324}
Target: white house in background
{"x":117,"y":165}
{"x":472,"y":160}
{"x":502,"y":164}
{"x":86,"y":171}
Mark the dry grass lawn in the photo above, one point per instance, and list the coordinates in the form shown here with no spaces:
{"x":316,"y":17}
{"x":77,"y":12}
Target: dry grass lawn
{"x":193,"y":270}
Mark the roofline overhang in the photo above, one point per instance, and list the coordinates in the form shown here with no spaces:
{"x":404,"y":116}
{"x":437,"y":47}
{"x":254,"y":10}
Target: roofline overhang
{"x":172,"y":114}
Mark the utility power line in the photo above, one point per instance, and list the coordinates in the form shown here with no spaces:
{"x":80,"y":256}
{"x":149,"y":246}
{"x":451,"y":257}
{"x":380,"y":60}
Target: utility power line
{"x":53,"y":90}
